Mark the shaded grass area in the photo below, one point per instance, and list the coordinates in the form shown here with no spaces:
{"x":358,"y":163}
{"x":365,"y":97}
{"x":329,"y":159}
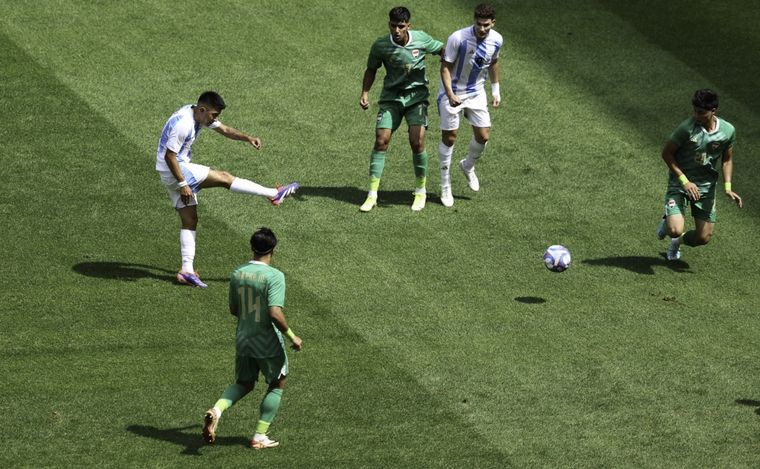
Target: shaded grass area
{"x":433,"y":339}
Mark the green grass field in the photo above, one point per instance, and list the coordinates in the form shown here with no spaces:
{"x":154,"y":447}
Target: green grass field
{"x":432,"y":339}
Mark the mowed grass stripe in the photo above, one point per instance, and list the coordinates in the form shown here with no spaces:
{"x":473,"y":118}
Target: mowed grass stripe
{"x":98,"y":374}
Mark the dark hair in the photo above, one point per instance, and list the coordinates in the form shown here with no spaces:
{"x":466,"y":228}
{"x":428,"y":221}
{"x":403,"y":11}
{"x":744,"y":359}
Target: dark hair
{"x":705,"y":99}
{"x":400,"y":14}
{"x":263,"y":241}
{"x":485,"y":11}
{"x":212,"y":100}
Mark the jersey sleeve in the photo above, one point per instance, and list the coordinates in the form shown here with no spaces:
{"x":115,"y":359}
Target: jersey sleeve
{"x":276,"y":290}
{"x":374,"y":61}
{"x":233,"y":299}
{"x":431,"y":45}
{"x":177,"y":136}
{"x":681,"y":135}
{"x":452,"y":49}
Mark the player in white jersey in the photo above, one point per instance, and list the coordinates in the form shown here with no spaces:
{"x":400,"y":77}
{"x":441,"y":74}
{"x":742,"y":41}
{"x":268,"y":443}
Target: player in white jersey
{"x":183,"y":179}
{"x":470,"y":53}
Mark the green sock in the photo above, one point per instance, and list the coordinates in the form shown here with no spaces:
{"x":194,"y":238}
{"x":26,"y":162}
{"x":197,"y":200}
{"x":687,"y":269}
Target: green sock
{"x":420,"y":161}
{"x":420,"y":183}
{"x":262,"y":427}
{"x":269,"y":406}
{"x":376,"y":164}
{"x":374,"y":184}
{"x":230,"y":396}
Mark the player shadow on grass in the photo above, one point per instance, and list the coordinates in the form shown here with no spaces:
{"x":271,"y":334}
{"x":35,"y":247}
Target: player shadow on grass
{"x":131,"y":272}
{"x":356,"y":196}
{"x":640,"y":264}
{"x":750,"y":403}
{"x":192,"y":440}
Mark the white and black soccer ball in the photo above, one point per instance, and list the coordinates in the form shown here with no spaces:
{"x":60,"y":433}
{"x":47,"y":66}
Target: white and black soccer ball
{"x":557,"y":258}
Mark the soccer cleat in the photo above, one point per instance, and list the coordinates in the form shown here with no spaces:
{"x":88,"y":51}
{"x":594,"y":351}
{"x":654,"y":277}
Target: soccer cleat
{"x":263,"y":441}
{"x":472,"y":179}
{"x":190,"y":278}
{"x":674,"y":252}
{"x":419,"y":201}
{"x":210,"y":420}
{"x":446,"y":198}
{"x":368,"y":204}
{"x":661,"y":229}
{"x":284,"y":191}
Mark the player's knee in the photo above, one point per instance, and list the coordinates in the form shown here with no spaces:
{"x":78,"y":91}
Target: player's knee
{"x":226,"y":178}
{"x":418,"y":146}
{"x":703,"y":238}
{"x":449,"y":138}
{"x":381,"y":144}
{"x":674,"y":232}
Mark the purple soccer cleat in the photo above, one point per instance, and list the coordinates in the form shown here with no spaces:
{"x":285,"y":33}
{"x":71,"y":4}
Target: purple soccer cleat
{"x":190,"y":278}
{"x":284,"y":191}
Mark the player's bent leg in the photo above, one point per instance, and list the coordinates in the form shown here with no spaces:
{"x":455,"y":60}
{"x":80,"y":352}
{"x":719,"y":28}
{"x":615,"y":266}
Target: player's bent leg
{"x":675,"y":225}
{"x":210,"y":422}
{"x":701,"y":235}
{"x":232,"y":394}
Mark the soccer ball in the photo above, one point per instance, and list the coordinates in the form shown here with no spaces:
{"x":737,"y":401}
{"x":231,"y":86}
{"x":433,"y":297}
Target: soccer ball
{"x":557,"y":258}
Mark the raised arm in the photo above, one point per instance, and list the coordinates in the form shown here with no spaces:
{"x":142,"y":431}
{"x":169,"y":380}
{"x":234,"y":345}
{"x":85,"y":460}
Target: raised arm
{"x":234,"y":134}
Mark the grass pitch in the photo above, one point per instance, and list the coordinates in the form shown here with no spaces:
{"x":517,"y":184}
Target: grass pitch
{"x":432,"y":339}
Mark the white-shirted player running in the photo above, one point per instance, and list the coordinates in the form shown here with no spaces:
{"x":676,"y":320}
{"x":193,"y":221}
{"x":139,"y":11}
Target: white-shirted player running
{"x":184,"y":179}
{"x":470,"y":53}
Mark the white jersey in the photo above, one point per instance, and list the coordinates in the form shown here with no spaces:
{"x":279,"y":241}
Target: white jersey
{"x":178,"y":136}
{"x":470,"y":58}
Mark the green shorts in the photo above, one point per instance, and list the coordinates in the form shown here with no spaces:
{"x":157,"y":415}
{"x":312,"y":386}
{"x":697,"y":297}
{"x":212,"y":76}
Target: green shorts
{"x":412,"y":106}
{"x":676,"y":202}
{"x":272,"y":368}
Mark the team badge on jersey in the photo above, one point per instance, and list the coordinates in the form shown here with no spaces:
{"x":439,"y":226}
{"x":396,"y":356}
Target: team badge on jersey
{"x":416,"y":53}
{"x":714,"y":146}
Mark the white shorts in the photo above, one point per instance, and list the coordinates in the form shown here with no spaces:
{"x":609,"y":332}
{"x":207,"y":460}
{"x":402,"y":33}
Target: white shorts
{"x":194,"y":174}
{"x":474,"y":107}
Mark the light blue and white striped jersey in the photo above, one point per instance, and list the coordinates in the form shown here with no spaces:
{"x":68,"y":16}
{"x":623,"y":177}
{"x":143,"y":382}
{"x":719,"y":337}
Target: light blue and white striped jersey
{"x":471,"y":58}
{"x":178,"y":136}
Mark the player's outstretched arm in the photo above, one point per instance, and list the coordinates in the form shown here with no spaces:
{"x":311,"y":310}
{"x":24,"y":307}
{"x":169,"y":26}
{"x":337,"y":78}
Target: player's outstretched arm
{"x":235,"y":134}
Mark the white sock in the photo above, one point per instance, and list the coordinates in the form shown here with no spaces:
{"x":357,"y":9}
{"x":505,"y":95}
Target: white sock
{"x":187,"y":249}
{"x":372,"y":194}
{"x":444,"y":161}
{"x":473,"y":153}
{"x":244,"y":186}
{"x":675,"y":241}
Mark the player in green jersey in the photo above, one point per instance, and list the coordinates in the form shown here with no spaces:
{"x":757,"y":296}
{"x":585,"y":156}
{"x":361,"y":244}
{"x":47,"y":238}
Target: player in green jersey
{"x":257,"y":296}
{"x":691,"y":154}
{"x":404,"y":96}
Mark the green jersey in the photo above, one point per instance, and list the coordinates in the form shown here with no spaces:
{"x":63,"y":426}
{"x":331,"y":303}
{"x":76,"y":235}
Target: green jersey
{"x":699,"y":151}
{"x":404,"y":65}
{"x":254,"y":287}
